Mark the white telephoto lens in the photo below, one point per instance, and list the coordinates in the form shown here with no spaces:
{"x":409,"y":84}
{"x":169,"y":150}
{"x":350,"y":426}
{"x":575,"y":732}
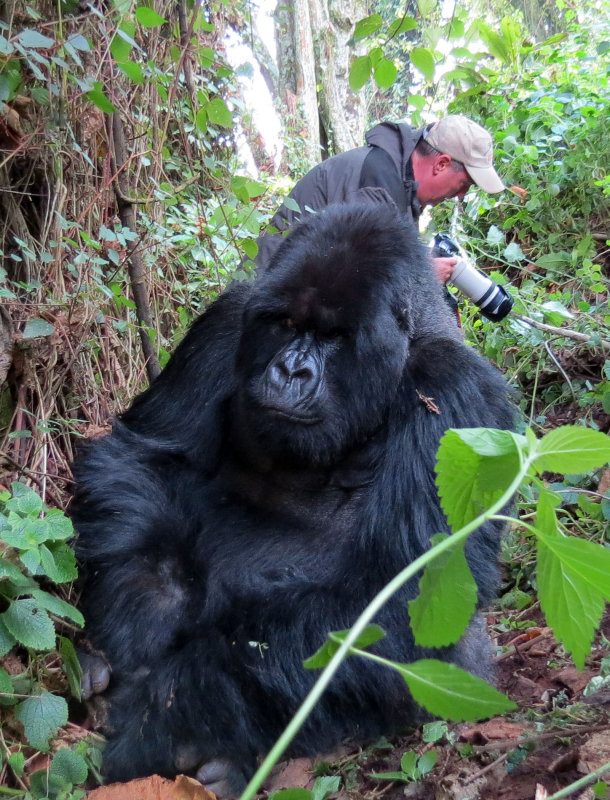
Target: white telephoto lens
{"x":470,"y":281}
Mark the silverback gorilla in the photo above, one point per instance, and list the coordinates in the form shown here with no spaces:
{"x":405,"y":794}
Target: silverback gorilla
{"x":273,"y":478}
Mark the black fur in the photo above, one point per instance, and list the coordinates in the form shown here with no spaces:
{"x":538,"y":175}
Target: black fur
{"x":275,"y":476}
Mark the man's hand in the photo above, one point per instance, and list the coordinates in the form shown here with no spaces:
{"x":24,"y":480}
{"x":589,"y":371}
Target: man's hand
{"x":443,"y":268}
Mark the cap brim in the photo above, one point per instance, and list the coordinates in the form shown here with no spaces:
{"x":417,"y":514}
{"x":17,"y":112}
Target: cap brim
{"x":487,"y":178}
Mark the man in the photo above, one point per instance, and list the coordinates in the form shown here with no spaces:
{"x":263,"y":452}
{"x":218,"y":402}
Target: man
{"x":401,"y":165}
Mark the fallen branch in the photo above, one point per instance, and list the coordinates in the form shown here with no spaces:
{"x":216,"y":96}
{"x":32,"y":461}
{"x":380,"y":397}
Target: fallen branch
{"x":584,"y":338}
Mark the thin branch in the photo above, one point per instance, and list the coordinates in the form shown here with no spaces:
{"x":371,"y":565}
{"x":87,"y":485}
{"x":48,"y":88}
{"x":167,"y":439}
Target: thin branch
{"x":568,"y":333}
{"x":135,"y":265}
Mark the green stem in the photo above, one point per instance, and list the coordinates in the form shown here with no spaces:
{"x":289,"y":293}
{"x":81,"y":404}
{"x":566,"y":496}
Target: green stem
{"x":365,"y":618}
{"x":580,"y":783}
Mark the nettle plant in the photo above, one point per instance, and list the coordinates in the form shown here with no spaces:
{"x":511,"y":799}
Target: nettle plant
{"x":34,"y":551}
{"x":479,"y":470}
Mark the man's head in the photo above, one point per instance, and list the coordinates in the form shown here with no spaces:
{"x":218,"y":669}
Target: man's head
{"x":452,"y":155}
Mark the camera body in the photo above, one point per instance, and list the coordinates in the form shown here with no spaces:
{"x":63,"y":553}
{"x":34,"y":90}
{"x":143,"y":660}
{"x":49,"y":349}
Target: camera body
{"x":493,"y":300}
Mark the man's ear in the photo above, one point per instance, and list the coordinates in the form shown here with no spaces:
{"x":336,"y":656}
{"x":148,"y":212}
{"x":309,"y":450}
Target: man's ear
{"x":442,"y":162}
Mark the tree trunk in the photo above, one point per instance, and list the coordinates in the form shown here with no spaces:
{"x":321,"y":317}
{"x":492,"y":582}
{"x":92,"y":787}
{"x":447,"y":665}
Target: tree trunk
{"x":297,"y":75}
{"x":312,"y":43}
{"x":342,"y":112}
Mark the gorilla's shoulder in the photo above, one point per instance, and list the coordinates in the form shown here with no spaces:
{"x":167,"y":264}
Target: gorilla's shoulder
{"x":440,"y":368}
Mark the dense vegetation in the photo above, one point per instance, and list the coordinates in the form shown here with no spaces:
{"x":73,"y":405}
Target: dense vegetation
{"x":125,"y":208}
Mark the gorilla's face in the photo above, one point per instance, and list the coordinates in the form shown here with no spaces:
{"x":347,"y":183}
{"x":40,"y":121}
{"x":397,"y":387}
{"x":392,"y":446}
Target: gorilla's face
{"x":315,"y":381}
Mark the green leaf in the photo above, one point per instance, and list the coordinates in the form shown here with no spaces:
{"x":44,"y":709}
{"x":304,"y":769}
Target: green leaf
{"x":447,"y":599}
{"x":250,"y":247}
{"x":58,"y":562}
{"x":385,"y":73}
{"x":7,"y":640}
{"x":370,"y":635}
{"x":408,"y":764}
{"x":360,"y":72}
{"x":474,"y":467}
{"x":573,"y":580}
{"x":123,"y":41}
{"x":423,"y":60}
{"x":55,"y":605}
{"x":367,"y":27}
{"x":69,"y":767}
{"x":513,"y":252}
{"x":71,"y":666}
{"x":495,"y":235}
{"x":219,"y":114}
{"x":37,"y":327}
{"x":391,"y":776}
{"x":452,"y":693}
{"x":325,"y":786}
{"x":6,"y":688}
{"x":133,"y":71}
{"x":99,"y":99}
{"x":291,"y":204}
{"x":572,"y":449}
{"x":59,"y":525}
{"x":149,"y":18}
{"x":402,"y":26}
{"x":41,"y":717}
{"x":30,"y":38}
{"x":78,"y":42}
{"x":201,"y":120}
{"x":29,"y":624}
{"x":291,"y":794}
{"x":553,"y":261}
{"x":27,"y":502}
{"x":6,"y":47}
{"x":495,"y":44}
{"x":427,"y":762}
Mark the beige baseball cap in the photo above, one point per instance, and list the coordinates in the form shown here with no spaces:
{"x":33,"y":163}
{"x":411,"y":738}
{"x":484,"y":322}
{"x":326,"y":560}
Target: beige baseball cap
{"x":469,"y":143}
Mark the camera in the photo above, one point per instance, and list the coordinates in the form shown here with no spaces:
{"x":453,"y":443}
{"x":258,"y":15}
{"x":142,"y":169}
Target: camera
{"x":493,"y":300}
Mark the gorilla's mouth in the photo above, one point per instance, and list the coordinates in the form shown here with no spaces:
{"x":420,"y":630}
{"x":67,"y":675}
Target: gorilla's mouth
{"x":291,"y":416}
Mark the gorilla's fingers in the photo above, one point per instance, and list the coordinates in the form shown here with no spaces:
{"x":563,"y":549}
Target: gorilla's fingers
{"x":188,"y":757}
{"x":96,"y":673}
{"x":223,"y":777}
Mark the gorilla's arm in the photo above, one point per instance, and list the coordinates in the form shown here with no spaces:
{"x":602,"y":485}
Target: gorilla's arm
{"x":447,"y":385}
{"x":180,"y":411}
{"x":126,"y":506}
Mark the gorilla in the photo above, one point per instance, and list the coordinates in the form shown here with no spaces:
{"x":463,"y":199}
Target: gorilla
{"x":275,"y":476}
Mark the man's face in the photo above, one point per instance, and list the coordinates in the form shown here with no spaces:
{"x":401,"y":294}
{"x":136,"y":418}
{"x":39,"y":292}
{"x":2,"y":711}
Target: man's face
{"x":439,"y":180}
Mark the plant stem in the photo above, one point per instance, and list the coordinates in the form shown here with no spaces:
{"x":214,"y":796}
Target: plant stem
{"x":580,"y":783}
{"x":365,"y":618}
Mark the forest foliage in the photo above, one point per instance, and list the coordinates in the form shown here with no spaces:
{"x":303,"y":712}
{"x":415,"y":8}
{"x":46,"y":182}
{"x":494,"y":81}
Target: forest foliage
{"x":125,"y":207}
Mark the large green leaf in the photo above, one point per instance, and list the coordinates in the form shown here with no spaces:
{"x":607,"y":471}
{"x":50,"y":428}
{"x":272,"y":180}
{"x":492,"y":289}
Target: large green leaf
{"x":219,"y":114}
{"x":573,"y":580}
{"x":149,"y":18}
{"x":423,"y":60}
{"x":385,"y":73}
{"x":360,"y":72}
{"x":447,"y":599}
{"x":452,"y":693}
{"x":474,"y":467}
{"x":41,"y":716}
{"x":367,"y":27}
{"x":572,"y":449}
{"x":29,"y":624}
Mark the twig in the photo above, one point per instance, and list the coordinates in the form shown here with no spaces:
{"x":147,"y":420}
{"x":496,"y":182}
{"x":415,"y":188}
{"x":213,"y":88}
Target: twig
{"x":135,"y":265}
{"x":567,"y":332}
{"x":486,"y":769}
